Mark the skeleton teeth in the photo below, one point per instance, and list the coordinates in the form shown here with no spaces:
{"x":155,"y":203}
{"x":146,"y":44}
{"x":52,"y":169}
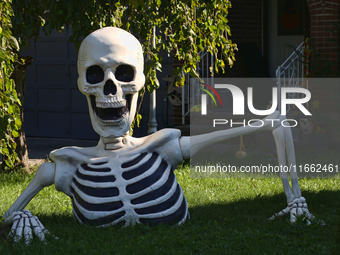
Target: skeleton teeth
{"x":111,"y":104}
{"x":107,"y":123}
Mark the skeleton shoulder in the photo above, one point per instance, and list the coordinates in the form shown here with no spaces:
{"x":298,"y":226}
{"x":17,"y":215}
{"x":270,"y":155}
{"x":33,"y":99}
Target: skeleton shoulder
{"x":67,"y":160}
{"x":70,"y":154}
{"x":166,"y":143}
{"x":165,"y":135}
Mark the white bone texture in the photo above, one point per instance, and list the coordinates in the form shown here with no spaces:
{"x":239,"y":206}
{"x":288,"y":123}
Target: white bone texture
{"x":297,"y":205}
{"x":123,"y":179}
{"x":297,"y":208}
{"x":110,"y":68}
{"x":133,"y":184}
{"x":23,"y":223}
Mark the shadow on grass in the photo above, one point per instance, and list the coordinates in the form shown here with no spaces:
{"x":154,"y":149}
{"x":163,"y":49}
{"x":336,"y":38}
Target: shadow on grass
{"x":240,"y":227}
{"x":247,"y":220}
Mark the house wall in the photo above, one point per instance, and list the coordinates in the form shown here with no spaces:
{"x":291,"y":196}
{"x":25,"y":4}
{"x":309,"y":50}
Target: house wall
{"x":323,"y":15}
{"x":246,"y":23}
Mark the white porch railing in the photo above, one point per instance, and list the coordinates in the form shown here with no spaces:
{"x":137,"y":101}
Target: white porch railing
{"x":291,"y":74}
{"x":189,"y":90}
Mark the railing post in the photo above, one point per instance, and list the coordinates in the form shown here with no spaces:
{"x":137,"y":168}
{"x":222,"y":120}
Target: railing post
{"x":278,"y":83}
{"x":183,"y":105}
{"x":152,"y":118}
{"x":291,"y":69}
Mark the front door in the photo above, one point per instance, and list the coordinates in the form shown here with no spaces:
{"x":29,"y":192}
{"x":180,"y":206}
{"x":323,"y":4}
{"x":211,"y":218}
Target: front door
{"x":286,"y":30}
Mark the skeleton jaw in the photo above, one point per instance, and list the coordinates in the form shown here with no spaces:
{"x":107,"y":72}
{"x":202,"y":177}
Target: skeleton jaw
{"x":112,"y":121}
{"x":111,"y":113}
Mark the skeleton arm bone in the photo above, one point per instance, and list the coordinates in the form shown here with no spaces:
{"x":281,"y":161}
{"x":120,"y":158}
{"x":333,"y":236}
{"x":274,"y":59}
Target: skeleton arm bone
{"x":190,"y":145}
{"x":297,"y":205}
{"x":43,"y":178}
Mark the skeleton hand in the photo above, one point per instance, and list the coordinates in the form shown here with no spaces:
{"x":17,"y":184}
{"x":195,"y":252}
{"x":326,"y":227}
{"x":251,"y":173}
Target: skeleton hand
{"x":23,"y":223}
{"x":296,"y":208}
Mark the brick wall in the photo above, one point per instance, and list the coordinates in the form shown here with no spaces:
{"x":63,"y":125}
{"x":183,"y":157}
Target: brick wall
{"x":323,"y":13}
{"x":245,"y":21}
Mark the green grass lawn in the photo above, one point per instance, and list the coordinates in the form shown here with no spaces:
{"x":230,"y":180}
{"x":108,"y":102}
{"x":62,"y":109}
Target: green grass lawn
{"x":227,"y":216}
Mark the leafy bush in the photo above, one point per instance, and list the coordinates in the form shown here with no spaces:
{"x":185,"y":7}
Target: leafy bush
{"x":10,"y":121}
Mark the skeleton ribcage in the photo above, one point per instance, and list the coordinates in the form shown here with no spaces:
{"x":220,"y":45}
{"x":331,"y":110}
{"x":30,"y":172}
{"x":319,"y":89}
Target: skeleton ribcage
{"x":143,"y":190}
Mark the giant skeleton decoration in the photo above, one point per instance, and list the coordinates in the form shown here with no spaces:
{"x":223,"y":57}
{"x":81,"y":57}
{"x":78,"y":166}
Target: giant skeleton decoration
{"x":124,"y":179}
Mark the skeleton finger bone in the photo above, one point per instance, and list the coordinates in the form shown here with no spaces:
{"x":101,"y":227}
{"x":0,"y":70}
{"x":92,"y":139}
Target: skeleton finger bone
{"x":27,"y":232}
{"x":14,"y":227}
{"x":297,"y":208}
{"x":23,"y":224}
{"x":38,"y":231}
{"x":19,"y":230}
{"x":41,"y":226}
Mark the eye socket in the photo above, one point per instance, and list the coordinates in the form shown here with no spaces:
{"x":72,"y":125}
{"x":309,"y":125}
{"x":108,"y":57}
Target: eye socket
{"x":94,"y":74}
{"x":125,"y":73}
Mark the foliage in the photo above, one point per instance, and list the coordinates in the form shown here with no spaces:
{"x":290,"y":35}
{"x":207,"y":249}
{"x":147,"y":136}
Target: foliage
{"x":183,"y":27}
{"x":9,"y":103}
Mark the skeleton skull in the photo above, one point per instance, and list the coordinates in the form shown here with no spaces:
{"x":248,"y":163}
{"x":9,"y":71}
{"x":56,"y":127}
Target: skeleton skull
{"x":110,"y":68}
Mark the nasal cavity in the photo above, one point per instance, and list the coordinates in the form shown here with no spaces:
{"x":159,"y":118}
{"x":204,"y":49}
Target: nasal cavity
{"x":110,"y":88}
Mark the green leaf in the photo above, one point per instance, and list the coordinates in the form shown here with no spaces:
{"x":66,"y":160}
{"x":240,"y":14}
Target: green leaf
{"x":139,"y":118}
{"x":15,"y":133}
{"x":10,"y":109}
{"x":42,"y":21}
{"x":213,"y":27}
{"x":18,"y":122}
{"x":157,"y":83}
{"x":224,"y":19}
{"x":158,"y":66}
{"x":9,"y":162}
{"x":5,"y":151}
{"x":193,"y":73}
